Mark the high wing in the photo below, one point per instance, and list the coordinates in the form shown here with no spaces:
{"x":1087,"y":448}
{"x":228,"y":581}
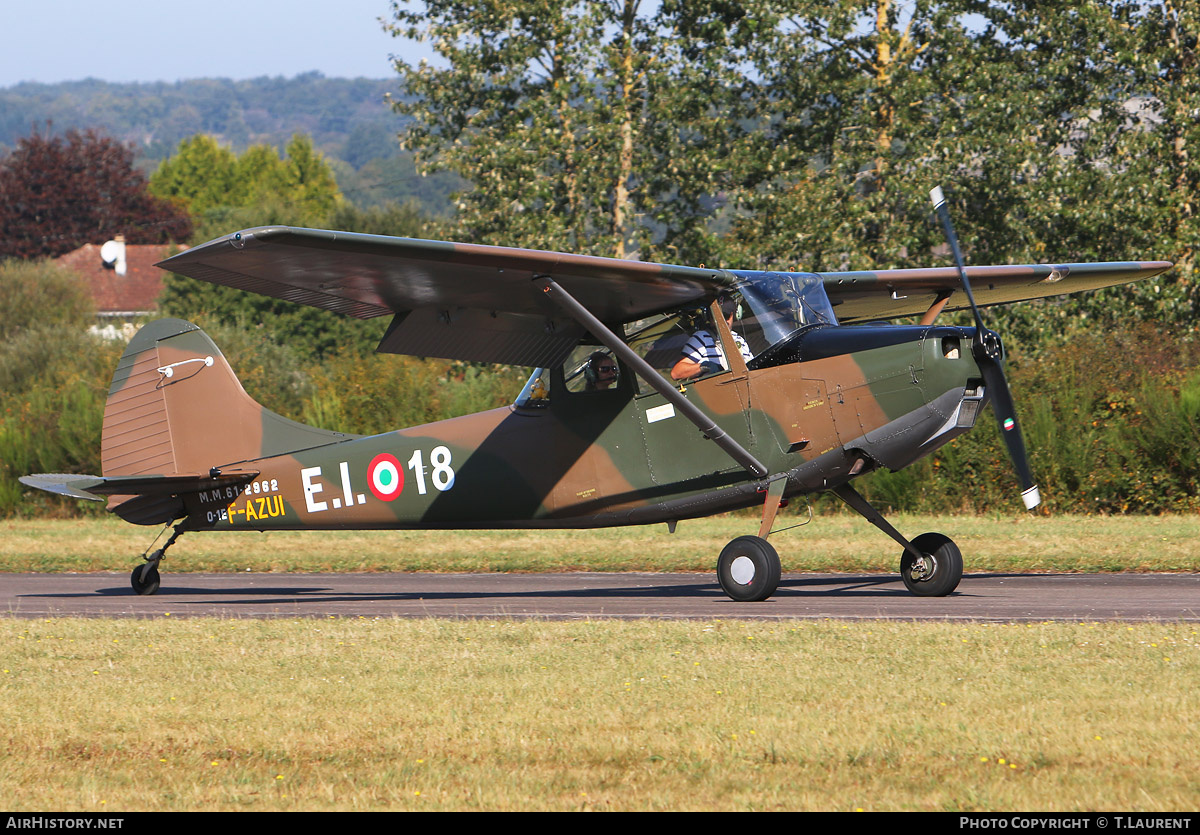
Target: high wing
{"x":484,"y":303}
{"x":890,"y":294}
{"x":451,"y":300}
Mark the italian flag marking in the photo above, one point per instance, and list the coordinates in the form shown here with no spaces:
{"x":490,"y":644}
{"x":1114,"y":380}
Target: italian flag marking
{"x":385,"y":477}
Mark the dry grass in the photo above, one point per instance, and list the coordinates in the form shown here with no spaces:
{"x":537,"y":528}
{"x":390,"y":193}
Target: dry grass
{"x":127,"y":715}
{"x":388,"y":714}
{"x":832,"y":542}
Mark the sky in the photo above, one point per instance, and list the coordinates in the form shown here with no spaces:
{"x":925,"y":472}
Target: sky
{"x":157,"y":40}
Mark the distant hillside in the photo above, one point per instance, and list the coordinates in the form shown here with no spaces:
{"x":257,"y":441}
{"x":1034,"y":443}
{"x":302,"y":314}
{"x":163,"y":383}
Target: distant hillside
{"x":348,"y":120}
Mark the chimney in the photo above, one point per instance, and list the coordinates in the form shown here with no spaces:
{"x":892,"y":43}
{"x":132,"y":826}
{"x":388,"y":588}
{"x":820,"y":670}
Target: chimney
{"x":113,"y":254}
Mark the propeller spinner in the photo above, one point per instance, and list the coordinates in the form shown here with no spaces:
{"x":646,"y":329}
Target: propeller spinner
{"x":988,"y":353}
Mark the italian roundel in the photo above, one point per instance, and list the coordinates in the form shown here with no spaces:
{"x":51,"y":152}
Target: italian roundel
{"x":385,"y":476}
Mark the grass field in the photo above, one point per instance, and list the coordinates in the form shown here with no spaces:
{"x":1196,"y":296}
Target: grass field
{"x":346,"y":714}
{"x":832,"y":542}
{"x":392,"y":714}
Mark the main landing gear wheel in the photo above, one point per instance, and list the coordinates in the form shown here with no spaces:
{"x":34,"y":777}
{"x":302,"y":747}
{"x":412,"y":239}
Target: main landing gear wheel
{"x":938,"y":573}
{"x":144,"y":579}
{"x":748,"y":569}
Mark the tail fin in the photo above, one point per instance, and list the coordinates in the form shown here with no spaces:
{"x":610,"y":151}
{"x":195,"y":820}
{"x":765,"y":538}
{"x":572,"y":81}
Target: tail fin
{"x":175,"y":408}
{"x":178,"y":422}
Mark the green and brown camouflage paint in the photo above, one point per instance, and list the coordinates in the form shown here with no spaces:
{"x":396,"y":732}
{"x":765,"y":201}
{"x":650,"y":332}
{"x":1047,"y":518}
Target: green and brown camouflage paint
{"x":585,"y":459}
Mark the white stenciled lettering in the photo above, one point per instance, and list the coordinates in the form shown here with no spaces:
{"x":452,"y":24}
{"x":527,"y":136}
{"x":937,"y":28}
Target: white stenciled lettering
{"x":418,"y":469}
{"x":347,"y":492}
{"x":442,"y":473}
{"x":311,"y":489}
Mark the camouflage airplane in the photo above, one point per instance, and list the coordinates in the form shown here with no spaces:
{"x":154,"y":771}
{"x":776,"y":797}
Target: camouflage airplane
{"x":659,"y":393}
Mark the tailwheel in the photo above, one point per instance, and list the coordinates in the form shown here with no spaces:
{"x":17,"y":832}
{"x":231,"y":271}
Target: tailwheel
{"x":937,"y":573}
{"x":144,"y":578}
{"x":748,"y":569}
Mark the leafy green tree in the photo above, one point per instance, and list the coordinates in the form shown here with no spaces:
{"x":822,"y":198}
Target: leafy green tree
{"x":226,"y":192}
{"x":579,"y":125}
{"x":864,"y":105}
{"x":34,"y":294}
{"x":199,"y":176}
{"x":398,"y":221}
{"x":207,"y":178}
{"x":1131,"y":192}
{"x":54,"y":376}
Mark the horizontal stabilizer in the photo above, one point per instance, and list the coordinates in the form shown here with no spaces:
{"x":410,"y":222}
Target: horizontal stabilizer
{"x":95,"y":488}
{"x":65,"y":484}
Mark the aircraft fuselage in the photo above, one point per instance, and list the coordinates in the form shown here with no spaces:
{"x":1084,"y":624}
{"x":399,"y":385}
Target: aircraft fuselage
{"x":854,"y":399}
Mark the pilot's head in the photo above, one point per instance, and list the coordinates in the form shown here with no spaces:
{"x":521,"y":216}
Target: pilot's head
{"x":728,"y":305}
{"x":601,"y":371}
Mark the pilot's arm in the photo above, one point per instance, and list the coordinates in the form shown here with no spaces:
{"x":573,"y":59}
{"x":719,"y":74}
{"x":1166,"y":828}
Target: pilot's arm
{"x":685,"y":369}
{"x":700,"y":356}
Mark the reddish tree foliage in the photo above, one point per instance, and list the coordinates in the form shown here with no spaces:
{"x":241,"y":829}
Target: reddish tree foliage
{"x":59,"y":193}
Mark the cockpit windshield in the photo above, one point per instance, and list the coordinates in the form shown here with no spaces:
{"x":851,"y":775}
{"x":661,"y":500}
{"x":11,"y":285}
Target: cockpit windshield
{"x":779,"y":304}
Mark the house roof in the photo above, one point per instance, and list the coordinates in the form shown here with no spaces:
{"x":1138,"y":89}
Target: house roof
{"x":135,"y":292}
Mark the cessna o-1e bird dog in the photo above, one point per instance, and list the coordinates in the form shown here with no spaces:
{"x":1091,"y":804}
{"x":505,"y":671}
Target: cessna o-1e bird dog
{"x":792,"y":386}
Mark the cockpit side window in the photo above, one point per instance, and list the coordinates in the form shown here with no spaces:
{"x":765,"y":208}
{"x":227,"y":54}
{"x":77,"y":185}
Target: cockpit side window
{"x":685,"y":345}
{"x":659,"y":339}
{"x":777,"y":304}
{"x":591,"y":369}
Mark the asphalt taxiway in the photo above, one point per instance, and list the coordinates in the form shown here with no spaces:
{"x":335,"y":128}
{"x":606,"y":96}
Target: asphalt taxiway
{"x":979,"y":597}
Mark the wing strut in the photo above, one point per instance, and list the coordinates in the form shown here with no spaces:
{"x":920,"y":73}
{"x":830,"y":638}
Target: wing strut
{"x":931,"y":314}
{"x":644,"y":370}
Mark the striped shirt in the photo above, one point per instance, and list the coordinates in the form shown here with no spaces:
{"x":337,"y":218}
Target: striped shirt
{"x":703,"y":348}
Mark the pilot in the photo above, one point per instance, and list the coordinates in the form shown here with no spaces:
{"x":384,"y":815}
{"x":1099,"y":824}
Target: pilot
{"x":601,"y":372}
{"x":703,"y":354}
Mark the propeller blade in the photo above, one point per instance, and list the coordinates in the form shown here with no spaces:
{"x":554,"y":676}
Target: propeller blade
{"x":1010,"y":429}
{"x":988,"y":353}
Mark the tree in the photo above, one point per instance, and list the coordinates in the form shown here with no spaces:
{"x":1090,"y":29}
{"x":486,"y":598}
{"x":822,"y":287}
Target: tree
{"x":210,"y":180}
{"x":588,"y":126}
{"x":867,"y":104}
{"x":1132,"y":193}
{"x":225,"y":192}
{"x":58,"y":193}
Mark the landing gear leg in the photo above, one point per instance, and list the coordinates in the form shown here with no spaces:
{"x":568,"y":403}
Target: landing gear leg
{"x":144,"y":578}
{"x":931,"y":564}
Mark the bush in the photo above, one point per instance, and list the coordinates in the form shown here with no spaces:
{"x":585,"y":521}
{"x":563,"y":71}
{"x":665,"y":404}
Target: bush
{"x":380,"y":393}
{"x":54,"y":384}
{"x":41,"y":294}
